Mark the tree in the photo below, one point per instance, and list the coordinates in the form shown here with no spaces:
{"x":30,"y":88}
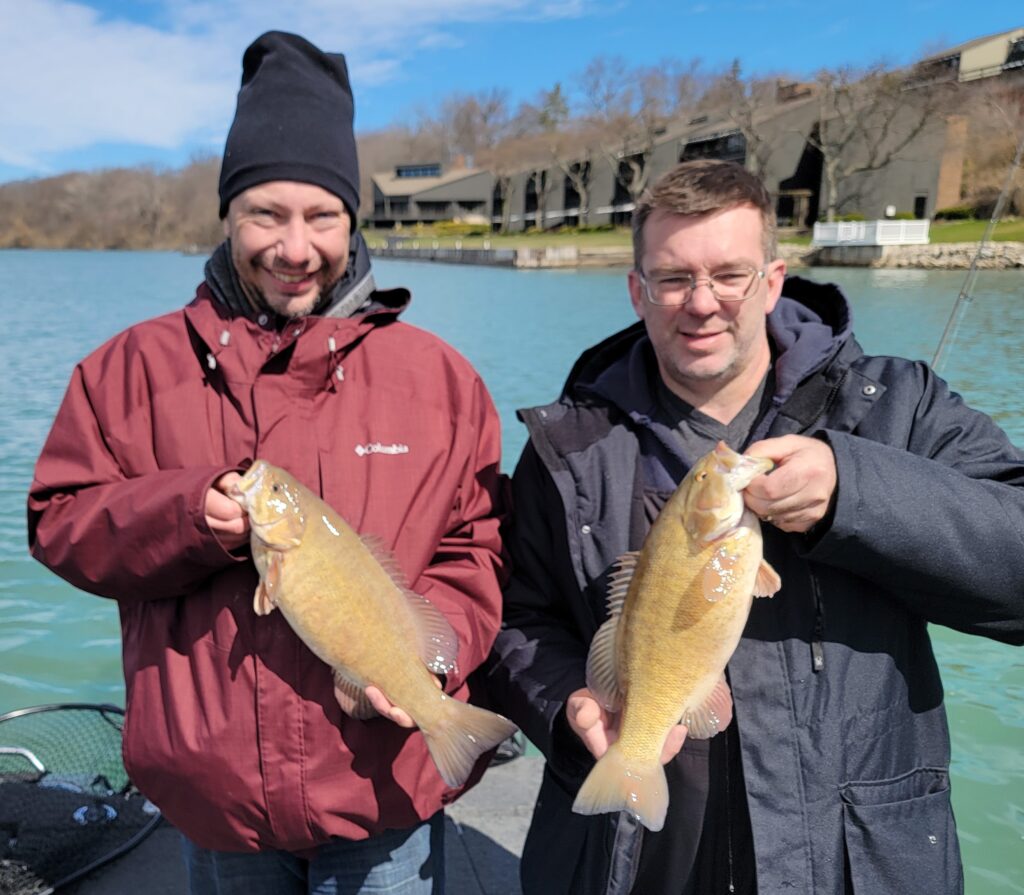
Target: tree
{"x":746,"y":102}
{"x":996,"y":110}
{"x":865,"y":120}
{"x":627,"y":111}
{"x":543,"y":143}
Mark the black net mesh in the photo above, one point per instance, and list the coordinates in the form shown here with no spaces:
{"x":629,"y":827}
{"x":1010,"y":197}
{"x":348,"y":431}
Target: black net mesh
{"x":66,"y":803}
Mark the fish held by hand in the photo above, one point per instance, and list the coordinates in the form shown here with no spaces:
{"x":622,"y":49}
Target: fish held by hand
{"x":677,"y":610}
{"x":343,"y":597}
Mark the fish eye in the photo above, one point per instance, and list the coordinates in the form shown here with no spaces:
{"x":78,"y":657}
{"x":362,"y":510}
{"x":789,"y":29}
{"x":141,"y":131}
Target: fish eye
{"x":700,"y":476}
{"x":275,"y":487}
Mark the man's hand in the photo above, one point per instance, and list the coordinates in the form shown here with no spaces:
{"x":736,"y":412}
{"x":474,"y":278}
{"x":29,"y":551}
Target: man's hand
{"x":225,"y":516}
{"x":798,"y":493}
{"x":387,"y":709}
{"x":599,"y":728}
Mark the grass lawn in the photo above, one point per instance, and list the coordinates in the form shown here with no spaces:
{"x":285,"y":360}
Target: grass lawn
{"x":1007,"y":230}
{"x":1010,"y":230}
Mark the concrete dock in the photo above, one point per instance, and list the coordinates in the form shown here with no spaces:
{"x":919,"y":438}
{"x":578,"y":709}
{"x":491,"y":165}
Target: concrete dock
{"x":484,"y":837}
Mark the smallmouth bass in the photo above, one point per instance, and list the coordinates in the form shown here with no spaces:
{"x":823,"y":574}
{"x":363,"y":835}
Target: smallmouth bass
{"x":677,"y":610}
{"x":342,"y":597}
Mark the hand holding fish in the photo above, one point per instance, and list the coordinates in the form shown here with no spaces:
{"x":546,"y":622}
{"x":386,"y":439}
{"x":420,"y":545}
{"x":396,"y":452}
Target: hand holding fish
{"x":346,"y":600}
{"x":676,"y":612}
{"x":387,"y":709}
{"x":599,"y":728}
{"x":227,"y":520}
{"x":799,"y":492}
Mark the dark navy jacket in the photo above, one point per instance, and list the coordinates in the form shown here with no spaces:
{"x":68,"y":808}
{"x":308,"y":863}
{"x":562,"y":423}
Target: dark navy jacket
{"x":838,"y":699}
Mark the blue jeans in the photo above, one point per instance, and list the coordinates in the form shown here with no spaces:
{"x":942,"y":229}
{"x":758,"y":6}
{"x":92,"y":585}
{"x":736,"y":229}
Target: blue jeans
{"x":401,"y":862}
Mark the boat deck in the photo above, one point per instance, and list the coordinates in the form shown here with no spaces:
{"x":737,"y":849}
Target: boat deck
{"x":484,"y":837}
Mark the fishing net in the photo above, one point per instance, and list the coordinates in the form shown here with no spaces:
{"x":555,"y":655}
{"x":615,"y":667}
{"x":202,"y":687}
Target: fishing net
{"x":66,"y":803}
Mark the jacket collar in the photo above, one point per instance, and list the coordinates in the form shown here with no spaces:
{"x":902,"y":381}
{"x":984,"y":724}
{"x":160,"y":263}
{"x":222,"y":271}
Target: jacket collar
{"x":314,"y":346}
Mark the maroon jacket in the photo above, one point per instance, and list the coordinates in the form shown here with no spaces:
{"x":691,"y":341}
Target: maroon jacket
{"x":232,"y":728}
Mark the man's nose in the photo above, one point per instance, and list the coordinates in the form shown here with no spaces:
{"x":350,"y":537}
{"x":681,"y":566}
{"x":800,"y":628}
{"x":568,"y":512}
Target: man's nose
{"x":293,"y":244}
{"x":703,"y":300}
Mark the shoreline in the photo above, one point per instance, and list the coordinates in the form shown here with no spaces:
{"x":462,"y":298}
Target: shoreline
{"x":934,"y":256}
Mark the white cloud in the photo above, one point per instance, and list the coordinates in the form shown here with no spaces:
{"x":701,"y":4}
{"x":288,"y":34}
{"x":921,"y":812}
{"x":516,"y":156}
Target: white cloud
{"x":74,"y":78}
{"x":440,"y":40}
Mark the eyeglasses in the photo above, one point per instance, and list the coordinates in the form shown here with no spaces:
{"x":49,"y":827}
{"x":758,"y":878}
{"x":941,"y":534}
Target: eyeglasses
{"x":675,"y":289}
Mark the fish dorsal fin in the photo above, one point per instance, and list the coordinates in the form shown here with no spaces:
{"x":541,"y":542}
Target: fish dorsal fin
{"x":602,"y":664}
{"x":618,"y":581}
{"x":351,"y":696}
{"x":768,"y":581}
{"x":385,"y":559}
{"x":711,"y":716}
{"x":438,"y":642}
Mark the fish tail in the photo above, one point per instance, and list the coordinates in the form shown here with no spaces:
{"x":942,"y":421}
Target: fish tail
{"x":616,"y":785}
{"x":464,"y":734}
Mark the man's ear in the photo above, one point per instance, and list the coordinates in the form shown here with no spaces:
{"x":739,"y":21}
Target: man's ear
{"x":636,"y":292}
{"x":775,"y":276}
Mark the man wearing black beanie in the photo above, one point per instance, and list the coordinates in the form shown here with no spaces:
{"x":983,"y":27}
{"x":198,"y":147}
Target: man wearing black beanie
{"x":288,"y":353}
{"x":292,"y":139}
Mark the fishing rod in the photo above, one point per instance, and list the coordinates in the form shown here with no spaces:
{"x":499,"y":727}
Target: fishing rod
{"x":965,"y":297}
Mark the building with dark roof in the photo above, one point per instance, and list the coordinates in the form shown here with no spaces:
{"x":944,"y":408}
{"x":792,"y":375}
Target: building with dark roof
{"x":780,"y":141}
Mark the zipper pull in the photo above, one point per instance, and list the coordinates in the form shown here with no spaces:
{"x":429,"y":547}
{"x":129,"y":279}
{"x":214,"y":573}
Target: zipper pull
{"x":817,"y":655}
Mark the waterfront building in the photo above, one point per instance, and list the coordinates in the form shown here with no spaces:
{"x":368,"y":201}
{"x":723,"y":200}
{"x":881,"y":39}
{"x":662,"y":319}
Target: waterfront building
{"x":903,"y":156}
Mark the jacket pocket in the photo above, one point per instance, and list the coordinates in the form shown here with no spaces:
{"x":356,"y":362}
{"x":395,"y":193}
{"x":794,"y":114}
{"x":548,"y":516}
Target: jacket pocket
{"x":900,"y":835}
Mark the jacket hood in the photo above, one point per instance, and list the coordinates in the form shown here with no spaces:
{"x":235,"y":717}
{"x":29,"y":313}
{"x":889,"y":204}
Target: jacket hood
{"x":807,"y":327}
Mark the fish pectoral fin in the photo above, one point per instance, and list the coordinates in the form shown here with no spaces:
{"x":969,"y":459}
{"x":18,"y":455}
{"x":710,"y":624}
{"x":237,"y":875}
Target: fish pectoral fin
{"x":602,"y":667}
{"x":711,"y":716}
{"x":352,"y":697}
{"x":438,"y":642}
{"x":261,"y":602}
{"x":768,"y":582}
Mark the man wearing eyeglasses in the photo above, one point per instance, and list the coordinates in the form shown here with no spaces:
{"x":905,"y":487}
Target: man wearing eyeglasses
{"x":881,"y":517}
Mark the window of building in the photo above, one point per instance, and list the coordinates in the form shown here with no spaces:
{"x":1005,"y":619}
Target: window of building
{"x":433,"y":209}
{"x":731,"y":147}
{"x":1015,"y":57}
{"x":418,"y":171}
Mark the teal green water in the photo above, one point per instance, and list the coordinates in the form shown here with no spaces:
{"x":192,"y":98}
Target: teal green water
{"x":522,"y":330}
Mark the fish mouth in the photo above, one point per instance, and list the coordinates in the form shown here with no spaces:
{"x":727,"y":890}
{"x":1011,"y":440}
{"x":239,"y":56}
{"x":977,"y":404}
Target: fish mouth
{"x":740,"y":469}
{"x":242,"y":490}
{"x":748,"y":469}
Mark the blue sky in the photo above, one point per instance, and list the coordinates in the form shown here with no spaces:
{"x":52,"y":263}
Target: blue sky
{"x":102,"y":83}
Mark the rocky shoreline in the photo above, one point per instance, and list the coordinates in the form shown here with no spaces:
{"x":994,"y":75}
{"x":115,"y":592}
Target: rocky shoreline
{"x":936,"y":256}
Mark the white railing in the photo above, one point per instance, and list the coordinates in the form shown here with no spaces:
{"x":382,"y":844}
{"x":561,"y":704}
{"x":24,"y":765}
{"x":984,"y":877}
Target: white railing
{"x":871,"y":233}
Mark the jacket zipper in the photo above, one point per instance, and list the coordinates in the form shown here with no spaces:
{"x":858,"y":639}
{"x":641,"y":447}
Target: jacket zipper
{"x":818,"y":635}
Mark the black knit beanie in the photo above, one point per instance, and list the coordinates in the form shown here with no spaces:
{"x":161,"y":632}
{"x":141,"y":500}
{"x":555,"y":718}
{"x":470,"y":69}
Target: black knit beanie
{"x":293,"y":121}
